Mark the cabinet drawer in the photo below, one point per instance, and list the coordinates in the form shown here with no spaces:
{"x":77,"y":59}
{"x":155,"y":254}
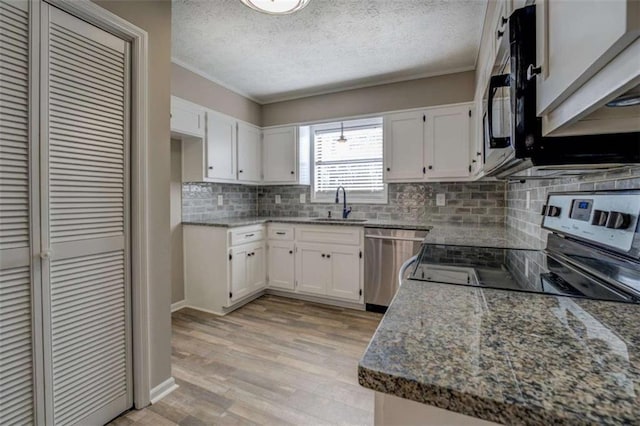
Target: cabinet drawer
{"x":280,"y":232}
{"x":330,"y":234}
{"x":246,"y":235}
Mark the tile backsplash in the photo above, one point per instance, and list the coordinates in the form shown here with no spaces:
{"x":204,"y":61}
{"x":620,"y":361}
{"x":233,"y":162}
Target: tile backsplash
{"x":526,"y":221}
{"x":466,"y":202}
{"x":200,"y":201}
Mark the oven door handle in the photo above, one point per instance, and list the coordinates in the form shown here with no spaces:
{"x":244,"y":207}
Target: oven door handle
{"x":496,"y":81}
{"x":385,"y":237}
{"x":404,"y":267}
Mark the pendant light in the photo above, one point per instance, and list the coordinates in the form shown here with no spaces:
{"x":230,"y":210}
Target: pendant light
{"x":342,"y":139}
{"x":276,"y":7}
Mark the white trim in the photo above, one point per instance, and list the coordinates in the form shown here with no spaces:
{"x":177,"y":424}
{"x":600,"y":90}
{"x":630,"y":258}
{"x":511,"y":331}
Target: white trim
{"x":178,"y":305}
{"x":102,"y":18}
{"x":372,"y":84}
{"x":316,"y":299}
{"x":163,"y":389}
{"x":212,"y":79}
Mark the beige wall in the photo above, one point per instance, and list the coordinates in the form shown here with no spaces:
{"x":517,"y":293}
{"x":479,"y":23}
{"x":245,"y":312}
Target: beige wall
{"x":431,"y":91}
{"x":155,"y":18}
{"x":192,"y":87}
{"x":177,"y":264}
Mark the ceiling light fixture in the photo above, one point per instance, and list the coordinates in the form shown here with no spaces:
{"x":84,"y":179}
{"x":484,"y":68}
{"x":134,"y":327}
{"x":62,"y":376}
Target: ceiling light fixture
{"x":276,"y":7}
{"x":342,"y":139}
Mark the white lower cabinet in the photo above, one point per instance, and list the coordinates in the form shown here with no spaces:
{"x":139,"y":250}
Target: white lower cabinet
{"x":247,"y":270}
{"x":280,"y":265}
{"x":344,"y":282}
{"x":313,"y":268}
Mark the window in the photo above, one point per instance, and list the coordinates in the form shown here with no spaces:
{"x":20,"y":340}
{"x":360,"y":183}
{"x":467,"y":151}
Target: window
{"x":355,"y":164}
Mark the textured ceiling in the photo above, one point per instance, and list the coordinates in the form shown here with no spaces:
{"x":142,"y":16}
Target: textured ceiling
{"x":329,"y":45}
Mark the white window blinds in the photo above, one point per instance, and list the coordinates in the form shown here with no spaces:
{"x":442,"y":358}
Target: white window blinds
{"x":355,"y":164}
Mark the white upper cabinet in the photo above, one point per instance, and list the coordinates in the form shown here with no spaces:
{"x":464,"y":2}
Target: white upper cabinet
{"x":279,"y":156}
{"x":432,"y":144}
{"x":249,"y":153}
{"x":404,"y":146}
{"x":221,"y":147}
{"x":447,"y":139}
{"x":187,"y":119}
{"x":589,"y":55}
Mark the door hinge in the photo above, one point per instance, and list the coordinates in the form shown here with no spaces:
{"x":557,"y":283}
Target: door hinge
{"x":424,"y":170}
{"x":360,"y":254}
{"x":295,"y":284}
{"x":267,"y":278}
{"x":230,"y":295}
{"x":424,"y":118}
{"x":230,"y":256}
{"x":469,"y":168}
{"x":360,"y":292}
{"x":469,"y":113}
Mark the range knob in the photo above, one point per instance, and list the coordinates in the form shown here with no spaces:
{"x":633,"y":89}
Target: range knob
{"x":600,"y":218}
{"x":618,"y":220}
{"x":553,"y":211}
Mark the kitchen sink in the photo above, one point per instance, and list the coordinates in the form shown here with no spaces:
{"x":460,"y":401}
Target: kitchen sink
{"x":330,"y":219}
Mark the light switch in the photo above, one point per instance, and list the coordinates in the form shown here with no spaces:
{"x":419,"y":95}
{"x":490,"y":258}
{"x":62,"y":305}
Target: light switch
{"x":441,"y":200}
{"x":220,"y":200}
{"x":303,"y":198}
{"x":278,"y":199}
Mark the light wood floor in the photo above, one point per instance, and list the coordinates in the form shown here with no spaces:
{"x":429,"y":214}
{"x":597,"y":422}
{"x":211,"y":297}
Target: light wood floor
{"x":276,"y":361}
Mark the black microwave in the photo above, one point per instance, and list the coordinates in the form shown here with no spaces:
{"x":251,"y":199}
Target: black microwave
{"x":512,"y":131}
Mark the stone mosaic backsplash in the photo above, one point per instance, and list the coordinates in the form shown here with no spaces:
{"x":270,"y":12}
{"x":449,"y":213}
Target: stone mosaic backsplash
{"x":527,"y":221}
{"x":466,"y":202}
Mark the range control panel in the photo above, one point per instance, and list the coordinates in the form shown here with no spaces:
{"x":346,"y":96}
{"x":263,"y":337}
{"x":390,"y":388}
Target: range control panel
{"x":606,"y":218}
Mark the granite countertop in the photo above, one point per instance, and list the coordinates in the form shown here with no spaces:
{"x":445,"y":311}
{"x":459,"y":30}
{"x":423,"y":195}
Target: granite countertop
{"x":480,"y":235}
{"x":508,"y":357}
{"x":369,"y":223}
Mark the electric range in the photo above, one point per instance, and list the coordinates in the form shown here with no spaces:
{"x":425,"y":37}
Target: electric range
{"x":592,"y":251}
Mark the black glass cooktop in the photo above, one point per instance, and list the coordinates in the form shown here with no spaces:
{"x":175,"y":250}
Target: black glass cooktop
{"x":534,"y":271}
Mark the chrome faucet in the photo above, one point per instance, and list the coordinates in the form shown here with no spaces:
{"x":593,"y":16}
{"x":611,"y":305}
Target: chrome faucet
{"x":345,"y":211}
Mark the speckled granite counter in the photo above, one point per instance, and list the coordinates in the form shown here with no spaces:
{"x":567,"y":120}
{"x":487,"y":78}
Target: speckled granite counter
{"x":508,"y":357}
{"x":491,"y":235}
{"x":246,"y":221}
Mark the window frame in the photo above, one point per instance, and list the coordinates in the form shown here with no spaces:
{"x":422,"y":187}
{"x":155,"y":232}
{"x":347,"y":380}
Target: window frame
{"x":379,"y":198}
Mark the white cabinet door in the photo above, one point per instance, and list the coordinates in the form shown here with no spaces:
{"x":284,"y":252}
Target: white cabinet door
{"x":221,"y":147}
{"x":280,"y":155}
{"x":447,"y":142}
{"x":313,"y":268}
{"x":345,"y":273}
{"x":249,"y":153}
{"x":239,"y":272}
{"x":256,"y":267}
{"x":186,"y":118}
{"x":404,"y":146}
{"x":280,"y":265}
{"x":567,"y":59}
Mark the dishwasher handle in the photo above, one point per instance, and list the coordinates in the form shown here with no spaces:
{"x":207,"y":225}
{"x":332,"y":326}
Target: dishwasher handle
{"x":385,"y":237}
{"x":403,"y":269}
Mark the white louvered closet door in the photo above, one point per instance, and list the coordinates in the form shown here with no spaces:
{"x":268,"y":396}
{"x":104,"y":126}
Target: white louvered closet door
{"x":86,"y":284}
{"x":16,"y":290}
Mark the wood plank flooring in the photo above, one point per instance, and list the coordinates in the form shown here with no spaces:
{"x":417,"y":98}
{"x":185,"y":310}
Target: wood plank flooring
{"x":275,"y":361}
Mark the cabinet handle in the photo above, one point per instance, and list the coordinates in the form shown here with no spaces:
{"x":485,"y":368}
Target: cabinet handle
{"x":499,"y":34}
{"x":478,"y":154}
{"x":503,"y":20}
{"x":239,"y":171}
{"x":280,"y":233}
{"x":249,"y":235}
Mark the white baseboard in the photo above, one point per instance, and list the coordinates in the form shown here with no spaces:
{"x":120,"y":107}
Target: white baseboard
{"x":163,"y":389}
{"x":178,"y":305}
{"x":316,"y":299}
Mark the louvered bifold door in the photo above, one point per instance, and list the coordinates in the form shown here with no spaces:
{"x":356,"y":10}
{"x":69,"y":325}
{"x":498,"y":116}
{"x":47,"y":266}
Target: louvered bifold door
{"x":84,"y":155}
{"x":16,"y":292}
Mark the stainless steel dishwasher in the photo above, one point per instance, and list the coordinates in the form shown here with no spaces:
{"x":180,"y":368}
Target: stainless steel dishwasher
{"x":385,"y":250}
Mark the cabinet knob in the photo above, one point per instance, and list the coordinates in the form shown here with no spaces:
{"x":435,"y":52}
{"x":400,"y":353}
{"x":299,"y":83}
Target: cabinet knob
{"x":328,"y":256}
{"x":290,"y":251}
{"x":430,"y":167}
{"x":210,"y":167}
{"x":503,"y":20}
{"x":499,"y":34}
{"x":239,"y":171}
{"x":292,"y":172}
{"x":323,"y":255}
{"x":388,"y":169}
